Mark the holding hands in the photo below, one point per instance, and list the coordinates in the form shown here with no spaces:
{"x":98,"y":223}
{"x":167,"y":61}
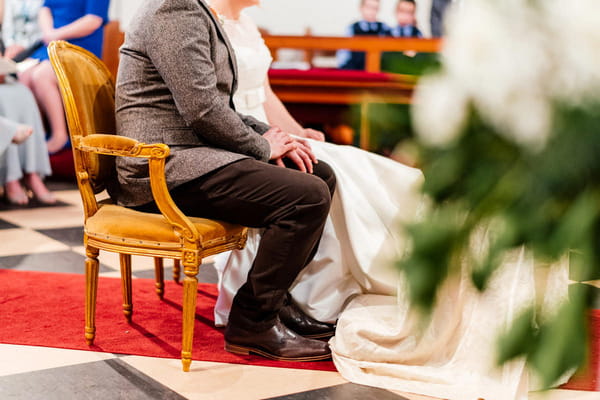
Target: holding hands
{"x":283,"y":145}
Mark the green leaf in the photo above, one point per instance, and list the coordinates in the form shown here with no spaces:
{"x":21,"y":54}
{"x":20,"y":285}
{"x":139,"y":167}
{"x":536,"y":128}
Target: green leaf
{"x":518,"y":340}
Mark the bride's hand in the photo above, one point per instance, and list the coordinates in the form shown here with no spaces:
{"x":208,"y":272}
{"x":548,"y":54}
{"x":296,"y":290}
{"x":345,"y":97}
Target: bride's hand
{"x":313,"y":134}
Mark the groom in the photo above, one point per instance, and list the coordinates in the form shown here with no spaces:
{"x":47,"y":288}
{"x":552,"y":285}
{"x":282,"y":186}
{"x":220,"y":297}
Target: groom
{"x":176,"y":79}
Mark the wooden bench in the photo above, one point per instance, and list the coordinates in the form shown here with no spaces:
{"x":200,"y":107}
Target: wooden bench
{"x":373,"y":46}
{"x":321,"y":87}
{"x":316,"y":87}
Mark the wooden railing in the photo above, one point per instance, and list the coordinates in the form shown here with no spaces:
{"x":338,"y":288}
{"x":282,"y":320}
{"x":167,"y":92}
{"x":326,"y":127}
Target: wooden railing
{"x":373,"y":46}
{"x":313,"y":92}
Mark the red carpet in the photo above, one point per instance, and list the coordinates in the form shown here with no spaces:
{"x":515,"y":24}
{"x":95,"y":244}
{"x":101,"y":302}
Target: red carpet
{"x":47,"y":309}
{"x":588,"y":377}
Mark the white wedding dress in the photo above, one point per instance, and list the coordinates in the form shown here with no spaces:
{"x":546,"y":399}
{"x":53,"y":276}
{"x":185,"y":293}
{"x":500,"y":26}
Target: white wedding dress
{"x":373,"y":195}
{"x":379,"y":341}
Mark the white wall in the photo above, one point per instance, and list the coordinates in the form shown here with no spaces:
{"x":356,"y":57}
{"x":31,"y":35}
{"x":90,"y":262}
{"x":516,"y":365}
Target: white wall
{"x":292,"y":17}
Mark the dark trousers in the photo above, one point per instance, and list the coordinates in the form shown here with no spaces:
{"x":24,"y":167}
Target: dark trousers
{"x":291,"y":206}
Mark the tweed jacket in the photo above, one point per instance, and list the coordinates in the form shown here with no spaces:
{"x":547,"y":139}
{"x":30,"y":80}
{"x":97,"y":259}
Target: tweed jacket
{"x":175,"y":85}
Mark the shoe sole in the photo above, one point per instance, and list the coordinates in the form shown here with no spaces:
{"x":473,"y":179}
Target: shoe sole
{"x":244,"y":350}
{"x":319,"y":336}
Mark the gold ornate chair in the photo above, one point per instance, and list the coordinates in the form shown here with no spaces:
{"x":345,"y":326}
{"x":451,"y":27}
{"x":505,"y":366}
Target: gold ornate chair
{"x":88,"y":92}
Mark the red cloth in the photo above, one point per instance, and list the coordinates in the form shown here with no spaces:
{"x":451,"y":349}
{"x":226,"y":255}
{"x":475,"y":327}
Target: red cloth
{"x":62,"y":164}
{"x":588,"y":377}
{"x":331,"y":74}
{"x":47,"y":309}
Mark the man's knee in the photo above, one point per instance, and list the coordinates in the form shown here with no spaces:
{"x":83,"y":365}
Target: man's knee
{"x":325,"y":172}
{"x":317,"y":196}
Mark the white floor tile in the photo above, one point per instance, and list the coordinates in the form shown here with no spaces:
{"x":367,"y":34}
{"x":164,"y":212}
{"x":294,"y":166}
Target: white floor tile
{"x":16,"y":359}
{"x":72,"y":197}
{"x":26,"y":241}
{"x":45,"y":218}
{"x":232,"y":381}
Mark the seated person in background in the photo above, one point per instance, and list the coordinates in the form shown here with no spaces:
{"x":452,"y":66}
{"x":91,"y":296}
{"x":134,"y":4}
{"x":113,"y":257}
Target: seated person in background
{"x":367,"y":26}
{"x":23,"y":163}
{"x":12,"y":132}
{"x":407,"y":62}
{"x":20,"y":29}
{"x":79,"y":22}
{"x":407,"y":21}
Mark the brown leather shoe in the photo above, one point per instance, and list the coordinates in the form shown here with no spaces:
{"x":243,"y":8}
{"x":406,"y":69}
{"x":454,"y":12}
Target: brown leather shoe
{"x":294,"y":318}
{"x":277,"y":343}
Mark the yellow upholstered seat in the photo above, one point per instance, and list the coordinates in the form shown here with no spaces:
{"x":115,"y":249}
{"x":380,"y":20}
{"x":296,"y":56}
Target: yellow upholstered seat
{"x":88,"y":93}
{"x":123,"y":225}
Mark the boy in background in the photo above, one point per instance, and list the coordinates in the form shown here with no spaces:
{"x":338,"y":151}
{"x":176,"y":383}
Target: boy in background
{"x":367,"y":26}
{"x":407,"y":21}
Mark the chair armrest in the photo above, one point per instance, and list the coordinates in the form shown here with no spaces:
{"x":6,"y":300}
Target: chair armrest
{"x":156,"y":153}
{"x":114,"y":145}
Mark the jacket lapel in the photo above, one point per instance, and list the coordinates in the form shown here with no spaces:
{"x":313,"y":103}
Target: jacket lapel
{"x":225,"y":39}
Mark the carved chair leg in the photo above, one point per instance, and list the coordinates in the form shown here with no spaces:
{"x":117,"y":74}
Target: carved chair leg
{"x":91,"y":290}
{"x":190,"y":292}
{"x":159,"y":274}
{"x":125,"y":261}
{"x":176,"y":270}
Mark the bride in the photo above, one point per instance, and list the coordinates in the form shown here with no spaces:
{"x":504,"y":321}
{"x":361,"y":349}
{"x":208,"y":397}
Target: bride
{"x":379,"y":340}
{"x":373,"y":194}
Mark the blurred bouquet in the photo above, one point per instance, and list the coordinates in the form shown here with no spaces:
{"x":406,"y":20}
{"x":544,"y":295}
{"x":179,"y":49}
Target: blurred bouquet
{"x":509,"y":129}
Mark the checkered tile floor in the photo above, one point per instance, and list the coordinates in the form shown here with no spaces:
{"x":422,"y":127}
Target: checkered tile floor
{"x":38,"y":238}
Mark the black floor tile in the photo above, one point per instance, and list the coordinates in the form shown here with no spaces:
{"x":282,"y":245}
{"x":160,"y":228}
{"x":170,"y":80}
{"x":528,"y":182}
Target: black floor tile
{"x":60,"y":261}
{"x":346,"y":391}
{"x":72,"y":236}
{"x":7,"y":225}
{"x":61,"y":184}
{"x":109,"y":379}
{"x":207,"y":274}
{"x":5,"y":206}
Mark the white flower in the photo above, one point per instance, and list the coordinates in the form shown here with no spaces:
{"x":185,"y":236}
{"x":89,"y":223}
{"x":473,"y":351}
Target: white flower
{"x":526,"y":120}
{"x":512,"y":61}
{"x":497,"y":52}
{"x":575,"y":32}
{"x":439,"y":110}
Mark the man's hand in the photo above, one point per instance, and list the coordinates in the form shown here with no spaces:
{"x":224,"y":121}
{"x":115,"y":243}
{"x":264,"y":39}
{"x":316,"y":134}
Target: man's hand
{"x":313,"y":134}
{"x":280,"y":143}
{"x":302,"y":156}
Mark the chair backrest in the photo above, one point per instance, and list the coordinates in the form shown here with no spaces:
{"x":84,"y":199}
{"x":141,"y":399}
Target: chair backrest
{"x":88,"y":93}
